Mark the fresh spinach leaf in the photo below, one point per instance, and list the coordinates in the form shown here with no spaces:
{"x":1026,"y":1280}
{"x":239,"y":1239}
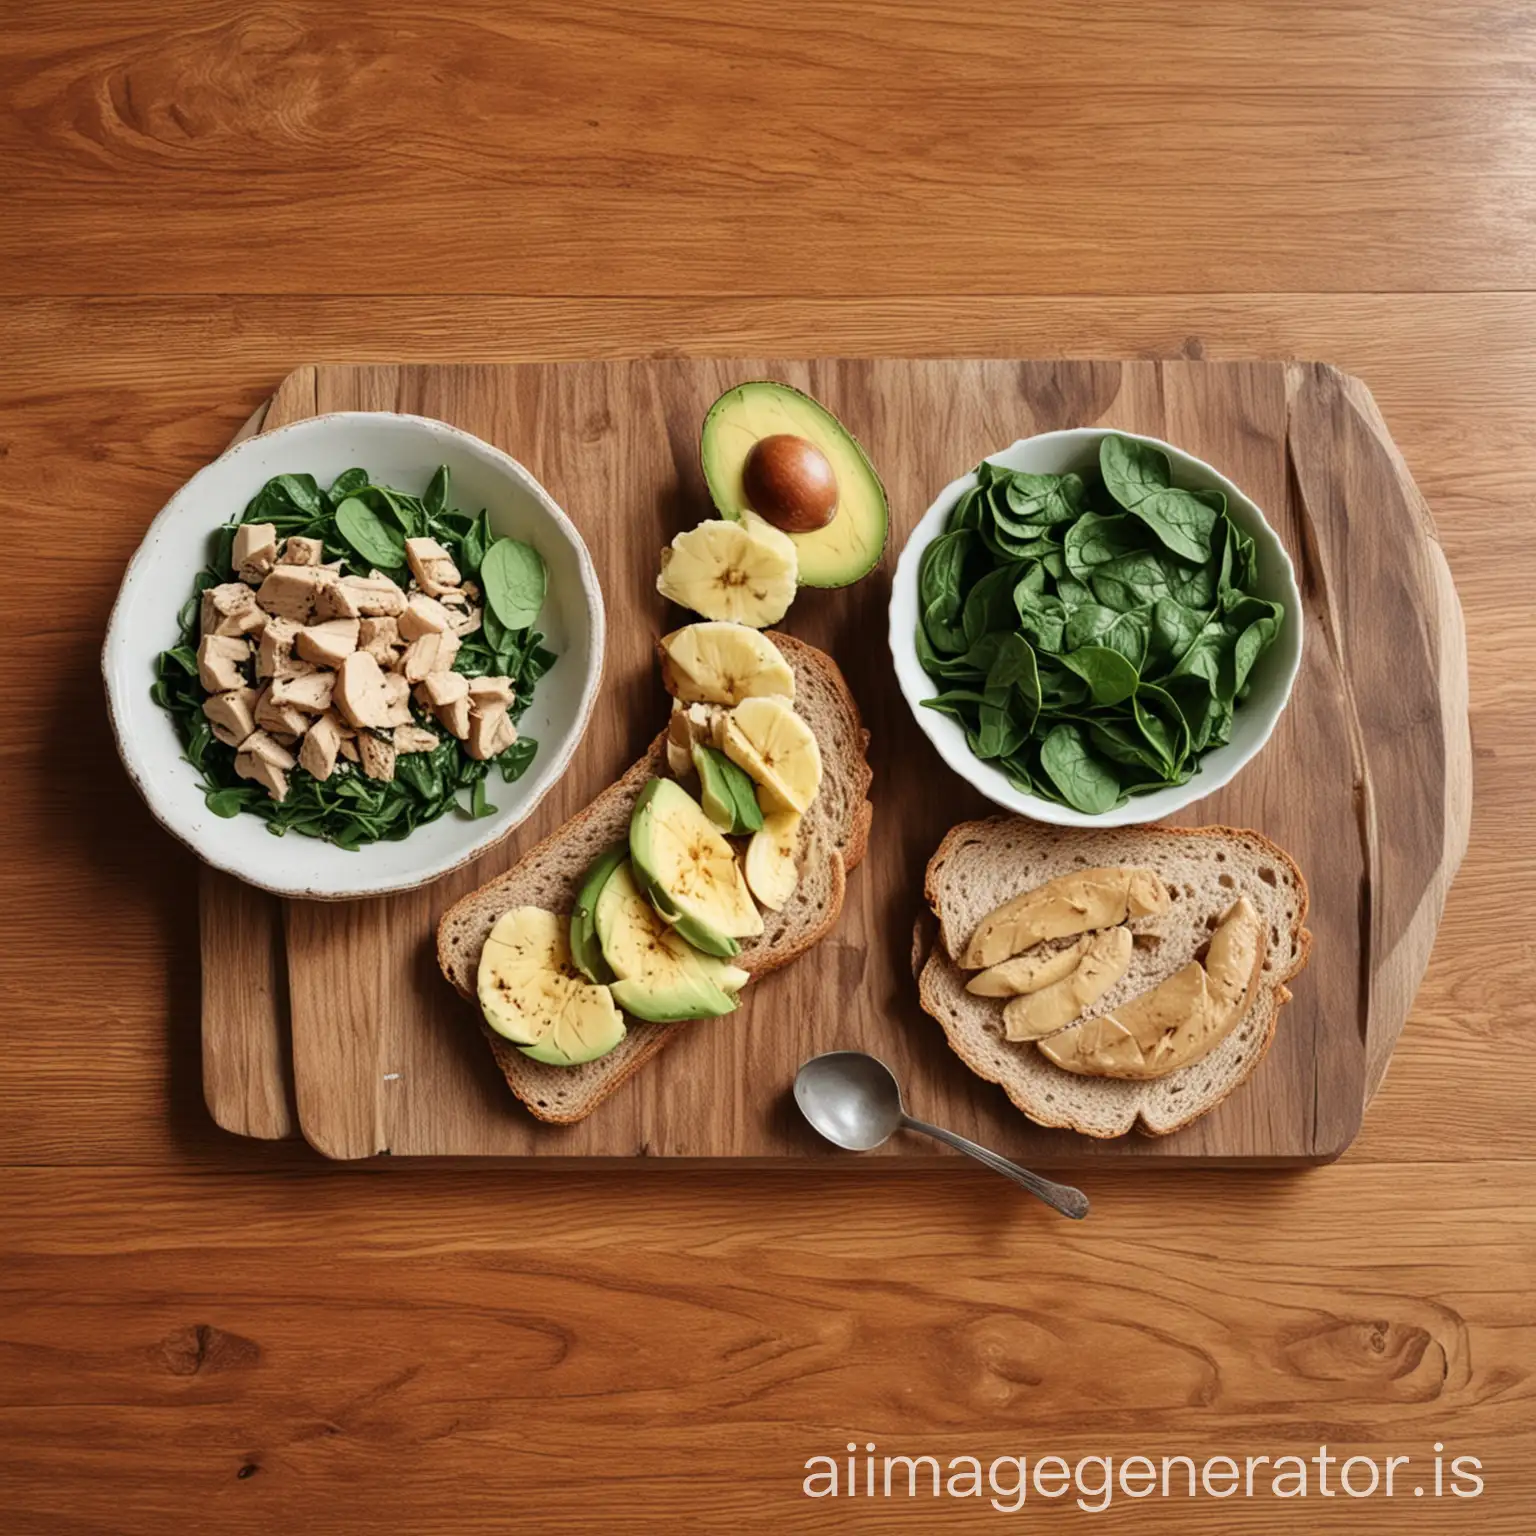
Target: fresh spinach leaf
{"x":515,"y":580}
{"x":375,"y":542}
{"x":1086,"y":782}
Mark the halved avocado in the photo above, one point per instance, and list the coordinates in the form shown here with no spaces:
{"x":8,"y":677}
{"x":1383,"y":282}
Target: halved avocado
{"x":851,"y":544}
{"x":586,"y":950}
{"x":661,"y":978}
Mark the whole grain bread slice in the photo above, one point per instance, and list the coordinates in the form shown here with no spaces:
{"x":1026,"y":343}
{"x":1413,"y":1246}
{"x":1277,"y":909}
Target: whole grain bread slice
{"x":981,"y":864}
{"x":834,"y":836}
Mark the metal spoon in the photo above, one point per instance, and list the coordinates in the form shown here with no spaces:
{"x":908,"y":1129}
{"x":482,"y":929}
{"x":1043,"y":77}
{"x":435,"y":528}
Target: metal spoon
{"x":854,"y":1100}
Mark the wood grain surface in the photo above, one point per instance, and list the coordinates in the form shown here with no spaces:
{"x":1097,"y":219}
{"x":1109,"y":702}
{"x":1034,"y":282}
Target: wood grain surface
{"x":200,"y":1331}
{"x":1373,"y":801}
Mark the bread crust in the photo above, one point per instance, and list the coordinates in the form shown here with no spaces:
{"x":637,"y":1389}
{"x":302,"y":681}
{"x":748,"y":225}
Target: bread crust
{"x":940,"y":960}
{"x":841,"y":860}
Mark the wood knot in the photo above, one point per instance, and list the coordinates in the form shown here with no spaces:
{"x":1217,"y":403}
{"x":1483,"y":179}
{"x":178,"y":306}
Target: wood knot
{"x":202,"y":1347}
{"x":1373,"y":1349}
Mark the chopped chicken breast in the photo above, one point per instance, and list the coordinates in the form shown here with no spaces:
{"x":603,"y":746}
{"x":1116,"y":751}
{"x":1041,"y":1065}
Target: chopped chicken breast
{"x":231,"y":715}
{"x":397,"y":695}
{"x":379,"y":637}
{"x":301,"y":551}
{"x":231,"y":609}
{"x":415,"y":738}
{"x":423,"y":616}
{"x":310,"y":691}
{"x":328,"y":644}
{"x":491,"y":732}
{"x":275,"y":653}
{"x":374,"y":595}
{"x":266,"y":761}
{"x":487,"y":691}
{"x":221,"y":661}
{"x":254,"y":552}
{"x":361,"y":697}
{"x":378,"y":756}
{"x":432,"y":566}
{"x":439,"y":688}
{"x":279,"y":719}
{"x":318,"y":754}
{"x":292,"y":591}
{"x":428,"y":654}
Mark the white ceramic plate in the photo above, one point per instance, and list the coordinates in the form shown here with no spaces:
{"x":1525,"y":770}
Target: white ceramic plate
{"x":1054,"y":453}
{"x":398,"y":450}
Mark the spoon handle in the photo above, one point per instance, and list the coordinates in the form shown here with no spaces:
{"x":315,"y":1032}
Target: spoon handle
{"x":1060,"y":1197}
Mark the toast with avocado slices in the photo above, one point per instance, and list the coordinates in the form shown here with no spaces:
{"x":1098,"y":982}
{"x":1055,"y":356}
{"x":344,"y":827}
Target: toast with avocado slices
{"x":1109,"y":981}
{"x":833,"y":835}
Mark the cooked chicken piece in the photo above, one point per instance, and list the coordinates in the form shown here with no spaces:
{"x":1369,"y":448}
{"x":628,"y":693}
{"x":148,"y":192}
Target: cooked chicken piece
{"x":230,"y":609}
{"x":688,"y":726}
{"x":336,"y":601}
{"x":439,"y":688}
{"x":415,"y":738}
{"x":397,"y":693}
{"x":349,"y":749}
{"x":463,"y":611}
{"x":301,"y":551}
{"x":255,"y":550}
{"x":487,"y":691}
{"x":318,"y":754}
{"x":275,"y":653}
{"x":361,"y":697}
{"x":428,"y":654}
{"x":330,"y":643}
{"x":423,"y":616}
{"x":292,"y":591}
{"x":432,"y":566}
{"x":380,"y":638}
{"x":279,"y":719}
{"x":232,"y":715}
{"x":221,"y":662}
{"x":378,"y":755}
{"x":266,"y":761}
{"x":491,"y":732}
{"x":310,"y":691}
{"x":374,"y":595}
{"x":454,"y":717}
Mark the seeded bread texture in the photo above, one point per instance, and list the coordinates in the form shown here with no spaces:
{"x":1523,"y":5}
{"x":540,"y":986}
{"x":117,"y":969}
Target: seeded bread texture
{"x":981,"y":864}
{"x":834,"y":836}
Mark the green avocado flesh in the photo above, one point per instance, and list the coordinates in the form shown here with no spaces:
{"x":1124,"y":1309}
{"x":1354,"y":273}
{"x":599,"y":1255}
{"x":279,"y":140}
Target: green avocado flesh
{"x":586,"y":950}
{"x":726,"y":793}
{"x":568,"y":1053}
{"x":851,"y":544}
{"x":657,"y":797}
{"x":661,"y":978}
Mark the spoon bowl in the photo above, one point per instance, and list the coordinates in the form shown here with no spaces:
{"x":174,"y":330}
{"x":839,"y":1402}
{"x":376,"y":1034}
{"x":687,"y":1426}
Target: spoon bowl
{"x":854,"y":1100}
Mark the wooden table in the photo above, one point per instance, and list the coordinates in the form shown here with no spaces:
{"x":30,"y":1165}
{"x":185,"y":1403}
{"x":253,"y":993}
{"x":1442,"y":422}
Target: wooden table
{"x":202,"y":1334}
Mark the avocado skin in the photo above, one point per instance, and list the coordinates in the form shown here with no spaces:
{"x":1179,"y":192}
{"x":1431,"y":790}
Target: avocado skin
{"x":586,"y":951}
{"x":552,"y":1056}
{"x":700,"y":935}
{"x":727,"y":795}
{"x":708,"y":1003}
{"x":860,"y":491}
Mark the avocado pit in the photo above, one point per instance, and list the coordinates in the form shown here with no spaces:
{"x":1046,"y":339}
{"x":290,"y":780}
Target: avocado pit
{"x":789,"y":481}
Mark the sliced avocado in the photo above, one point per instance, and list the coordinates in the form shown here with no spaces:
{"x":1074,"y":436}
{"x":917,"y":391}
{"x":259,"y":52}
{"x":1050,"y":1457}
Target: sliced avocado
{"x":727,"y":794}
{"x":569,"y":1048}
{"x":586,"y":951}
{"x":851,"y":544}
{"x":665,"y":805}
{"x":661,"y":977}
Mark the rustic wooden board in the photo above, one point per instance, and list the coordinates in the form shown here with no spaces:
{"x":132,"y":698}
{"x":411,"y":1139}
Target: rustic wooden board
{"x":1367,"y":780}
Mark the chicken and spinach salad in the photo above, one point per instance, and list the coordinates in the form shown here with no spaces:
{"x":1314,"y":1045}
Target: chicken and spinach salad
{"x":353,"y":661}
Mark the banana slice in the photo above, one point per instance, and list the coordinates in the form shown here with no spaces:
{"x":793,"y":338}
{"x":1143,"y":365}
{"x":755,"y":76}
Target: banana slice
{"x":689,"y":870}
{"x":770,"y":867}
{"x":531,"y":993}
{"x":715,"y":663}
{"x":777,"y":747}
{"x":741,"y":572}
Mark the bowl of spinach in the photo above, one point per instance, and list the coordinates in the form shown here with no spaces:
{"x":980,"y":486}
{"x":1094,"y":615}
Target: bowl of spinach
{"x":1095,"y":628}
{"x":359,"y":484}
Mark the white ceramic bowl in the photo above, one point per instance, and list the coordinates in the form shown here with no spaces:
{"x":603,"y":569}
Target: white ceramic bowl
{"x":1054,"y":453}
{"x":398,"y":450}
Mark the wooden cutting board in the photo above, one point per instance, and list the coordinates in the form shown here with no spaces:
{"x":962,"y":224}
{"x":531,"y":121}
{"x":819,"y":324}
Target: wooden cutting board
{"x":332,"y":1018}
